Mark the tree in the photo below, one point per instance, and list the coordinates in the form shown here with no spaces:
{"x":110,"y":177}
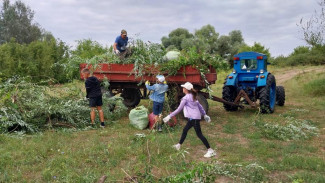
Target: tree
{"x":176,"y":37}
{"x":87,"y":48}
{"x":209,"y":37}
{"x":16,"y":21}
{"x":257,"y":47}
{"x":314,"y":28}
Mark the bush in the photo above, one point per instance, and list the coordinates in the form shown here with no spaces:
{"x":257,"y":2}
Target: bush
{"x":287,"y":128}
{"x":40,"y":59}
{"x":315,"y":88}
{"x":302,"y":56}
{"x":30,"y":107}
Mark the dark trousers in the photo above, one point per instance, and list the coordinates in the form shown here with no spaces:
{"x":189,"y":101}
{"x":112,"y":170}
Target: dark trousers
{"x":197,"y":127}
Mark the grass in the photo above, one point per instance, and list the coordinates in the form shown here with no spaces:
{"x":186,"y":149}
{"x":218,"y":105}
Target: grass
{"x":245,"y":153}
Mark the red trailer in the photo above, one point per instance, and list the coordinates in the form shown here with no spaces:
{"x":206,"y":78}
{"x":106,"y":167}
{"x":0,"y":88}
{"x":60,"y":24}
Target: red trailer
{"x":122,"y":79}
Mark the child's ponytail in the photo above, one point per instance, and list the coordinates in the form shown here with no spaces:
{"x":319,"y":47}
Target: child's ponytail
{"x":194,"y":93}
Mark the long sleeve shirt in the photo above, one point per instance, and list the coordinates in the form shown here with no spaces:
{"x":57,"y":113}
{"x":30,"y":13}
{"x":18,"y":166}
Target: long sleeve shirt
{"x":92,"y":85}
{"x":192,"y":109}
{"x":158,"y":94}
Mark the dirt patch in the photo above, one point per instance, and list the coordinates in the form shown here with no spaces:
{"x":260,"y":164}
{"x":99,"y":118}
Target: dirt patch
{"x":223,"y":179}
{"x":282,"y":78}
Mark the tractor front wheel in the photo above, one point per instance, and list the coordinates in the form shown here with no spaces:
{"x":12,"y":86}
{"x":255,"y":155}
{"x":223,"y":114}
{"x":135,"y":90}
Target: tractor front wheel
{"x":280,"y":95}
{"x":229,"y":93}
{"x":267,"y":95}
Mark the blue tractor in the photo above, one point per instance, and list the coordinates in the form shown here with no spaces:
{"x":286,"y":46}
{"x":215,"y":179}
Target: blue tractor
{"x":251,"y":80}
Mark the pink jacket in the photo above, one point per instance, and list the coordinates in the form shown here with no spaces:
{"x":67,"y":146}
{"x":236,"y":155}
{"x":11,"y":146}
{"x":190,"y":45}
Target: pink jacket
{"x":192,"y":109}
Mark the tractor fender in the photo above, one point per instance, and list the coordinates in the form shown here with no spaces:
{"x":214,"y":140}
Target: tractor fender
{"x":232,"y":81}
{"x":262,"y":81}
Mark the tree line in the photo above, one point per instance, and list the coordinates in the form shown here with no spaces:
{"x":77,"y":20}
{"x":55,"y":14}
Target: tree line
{"x":26,"y":49}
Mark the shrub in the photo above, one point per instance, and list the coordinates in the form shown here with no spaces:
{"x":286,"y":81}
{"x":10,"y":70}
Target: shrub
{"x":315,"y":88}
{"x":287,"y":128}
{"x":30,"y":107}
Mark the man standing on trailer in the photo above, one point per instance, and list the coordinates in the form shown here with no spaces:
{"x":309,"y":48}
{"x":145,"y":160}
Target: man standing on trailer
{"x":120,"y":44}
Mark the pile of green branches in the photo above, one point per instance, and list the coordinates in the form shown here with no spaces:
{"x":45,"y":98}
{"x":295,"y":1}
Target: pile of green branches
{"x":30,"y":107}
{"x":150,"y":54}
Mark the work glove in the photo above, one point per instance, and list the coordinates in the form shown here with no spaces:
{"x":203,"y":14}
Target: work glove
{"x":207,"y":118}
{"x":166,"y":119}
{"x":147,"y":83}
{"x":116,"y":51}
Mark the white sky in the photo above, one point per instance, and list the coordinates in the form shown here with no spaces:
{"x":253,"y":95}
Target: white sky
{"x":270,"y":22}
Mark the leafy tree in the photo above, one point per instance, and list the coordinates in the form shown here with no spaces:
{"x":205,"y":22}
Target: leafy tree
{"x":87,"y":48}
{"x":314,"y":28}
{"x":40,"y":59}
{"x":199,"y":44}
{"x":223,"y":46}
{"x":176,"y":37}
{"x":208,"y":37}
{"x":16,"y":21}
{"x":300,"y":50}
{"x":257,"y":47}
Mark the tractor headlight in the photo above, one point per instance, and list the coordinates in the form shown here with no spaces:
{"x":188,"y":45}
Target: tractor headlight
{"x":234,"y":71}
{"x":261,"y":71}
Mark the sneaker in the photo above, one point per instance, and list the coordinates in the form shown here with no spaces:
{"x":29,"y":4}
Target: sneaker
{"x":210,"y":153}
{"x":177,"y":147}
{"x":159,"y":128}
{"x":102,"y":125}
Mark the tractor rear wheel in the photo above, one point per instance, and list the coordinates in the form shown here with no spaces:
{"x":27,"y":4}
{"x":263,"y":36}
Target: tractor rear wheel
{"x":204,"y":102}
{"x":131,"y":97}
{"x":280,"y":95}
{"x":267,"y":95}
{"x":229,"y":93}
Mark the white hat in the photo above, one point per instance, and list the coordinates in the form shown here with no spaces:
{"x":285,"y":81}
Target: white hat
{"x":187,"y":86}
{"x":160,"y":78}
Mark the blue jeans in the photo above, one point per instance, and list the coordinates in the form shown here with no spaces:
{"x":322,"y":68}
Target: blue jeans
{"x":157,"y":108}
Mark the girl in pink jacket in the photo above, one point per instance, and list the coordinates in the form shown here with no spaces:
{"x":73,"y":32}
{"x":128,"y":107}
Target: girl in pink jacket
{"x":193,"y":111}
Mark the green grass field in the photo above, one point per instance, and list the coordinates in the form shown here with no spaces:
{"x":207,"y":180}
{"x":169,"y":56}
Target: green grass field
{"x":286,"y":146}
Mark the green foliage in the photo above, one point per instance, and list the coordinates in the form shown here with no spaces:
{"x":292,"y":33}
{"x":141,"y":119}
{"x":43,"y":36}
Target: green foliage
{"x":314,"y":29}
{"x":16,"y":21}
{"x":39,"y":59}
{"x":287,"y":128}
{"x":205,"y":39}
{"x":176,"y":37}
{"x":315,"y":88}
{"x":87,"y":49}
{"x":302,"y":56}
{"x":30,"y":107}
{"x":207,"y":172}
{"x":257,"y":47}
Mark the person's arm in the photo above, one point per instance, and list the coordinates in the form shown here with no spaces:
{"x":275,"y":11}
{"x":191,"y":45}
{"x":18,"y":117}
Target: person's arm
{"x":87,"y":89}
{"x":114,"y":46}
{"x":179,"y":109}
{"x":153,"y":87}
{"x":202,"y":111}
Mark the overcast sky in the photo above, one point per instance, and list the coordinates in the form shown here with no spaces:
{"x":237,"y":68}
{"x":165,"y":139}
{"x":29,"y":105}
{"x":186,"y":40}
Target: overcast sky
{"x":270,"y":22}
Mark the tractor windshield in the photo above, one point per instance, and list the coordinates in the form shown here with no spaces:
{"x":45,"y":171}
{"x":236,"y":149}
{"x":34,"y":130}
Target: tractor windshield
{"x":248,"y":64}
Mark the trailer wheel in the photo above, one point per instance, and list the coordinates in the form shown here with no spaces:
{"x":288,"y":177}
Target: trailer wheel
{"x":229,"y":93}
{"x":204,"y":102}
{"x":267,"y":95}
{"x":131,"y":97}
{"x":280,"y":95}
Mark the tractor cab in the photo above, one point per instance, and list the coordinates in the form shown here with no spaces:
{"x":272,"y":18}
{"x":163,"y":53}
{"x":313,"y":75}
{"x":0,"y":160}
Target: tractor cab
{"x":250,"y":62}
{"x":250,"y":70}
